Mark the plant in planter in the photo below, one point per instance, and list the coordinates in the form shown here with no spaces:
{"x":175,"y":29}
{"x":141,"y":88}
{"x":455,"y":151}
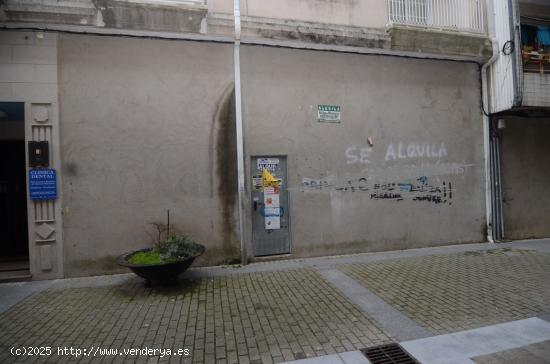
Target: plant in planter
{"x":169,"y":258}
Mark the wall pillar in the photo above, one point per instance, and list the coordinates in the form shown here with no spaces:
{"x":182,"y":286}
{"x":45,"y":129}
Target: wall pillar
{"x":28,"y":73}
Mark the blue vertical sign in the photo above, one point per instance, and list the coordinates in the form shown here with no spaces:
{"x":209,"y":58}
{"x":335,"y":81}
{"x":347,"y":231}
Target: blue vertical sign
{"x":42,"y":184}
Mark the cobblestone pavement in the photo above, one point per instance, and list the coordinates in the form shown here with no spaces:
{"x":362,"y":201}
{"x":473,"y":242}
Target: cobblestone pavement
{"x":449,"y":293}
{"x":252,"y":317}
{"x":280,"y":311}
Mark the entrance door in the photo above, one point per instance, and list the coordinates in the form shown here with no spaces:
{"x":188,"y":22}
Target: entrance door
{"x":270,"y":212}
{"x":14,"y":247}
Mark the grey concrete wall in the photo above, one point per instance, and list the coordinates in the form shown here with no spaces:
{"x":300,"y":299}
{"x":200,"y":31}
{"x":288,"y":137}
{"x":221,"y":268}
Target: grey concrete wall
{"x":418,"y":104}
{"x":145,"y":127}
{"x":525,"y":176}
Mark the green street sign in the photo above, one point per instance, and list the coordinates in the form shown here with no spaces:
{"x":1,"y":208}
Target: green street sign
{"x":328,"y":114}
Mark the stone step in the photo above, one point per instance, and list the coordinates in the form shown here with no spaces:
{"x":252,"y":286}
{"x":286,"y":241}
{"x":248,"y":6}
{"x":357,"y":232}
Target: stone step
{"x":15,"y":276}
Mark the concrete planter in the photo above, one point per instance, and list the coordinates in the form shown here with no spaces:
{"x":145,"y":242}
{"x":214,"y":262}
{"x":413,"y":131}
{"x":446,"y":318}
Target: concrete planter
{"x":163,"y":272}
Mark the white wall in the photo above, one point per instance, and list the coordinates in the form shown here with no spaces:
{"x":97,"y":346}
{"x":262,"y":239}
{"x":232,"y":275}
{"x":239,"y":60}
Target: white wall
{"x":28,"y":73}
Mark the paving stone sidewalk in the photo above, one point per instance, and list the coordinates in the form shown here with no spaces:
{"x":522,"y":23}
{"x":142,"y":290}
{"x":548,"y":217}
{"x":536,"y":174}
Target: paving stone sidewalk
{"x":455,"y":292}
{"x":279,"y":311}
{"x":257,"y":317}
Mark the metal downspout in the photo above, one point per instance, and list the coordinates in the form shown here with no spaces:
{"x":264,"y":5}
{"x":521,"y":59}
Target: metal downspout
{"x":486,"y":141}
{"x":494,"y":167}
{"x":239,"y":125}
{"x":498,"y":179}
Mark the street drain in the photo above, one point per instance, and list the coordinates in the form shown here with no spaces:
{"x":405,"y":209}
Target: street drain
{"x":388,"y":354}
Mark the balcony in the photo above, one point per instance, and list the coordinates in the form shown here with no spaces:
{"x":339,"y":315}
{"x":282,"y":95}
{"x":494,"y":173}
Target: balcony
{"x":535,"y":50}
{"x":446,"y":15}
{"x":439,"y":26}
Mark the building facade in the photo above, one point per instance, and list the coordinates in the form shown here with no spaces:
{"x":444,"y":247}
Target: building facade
{"x":369,"y":115}
{"x":518,"y":104}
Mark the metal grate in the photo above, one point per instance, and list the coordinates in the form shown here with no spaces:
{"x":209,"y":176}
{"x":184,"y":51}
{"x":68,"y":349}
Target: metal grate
{"x":388,"y":354}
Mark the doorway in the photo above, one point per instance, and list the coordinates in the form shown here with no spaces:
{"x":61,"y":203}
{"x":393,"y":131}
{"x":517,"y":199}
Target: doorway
{"x":14,"y":247}
{"x":270,"y":207}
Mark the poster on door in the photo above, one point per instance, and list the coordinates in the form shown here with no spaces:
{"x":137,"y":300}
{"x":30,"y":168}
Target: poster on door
{"x":272,"y":223}
{"x":271,"y":200}
{"x":272,"y":209}
{"x":271,"y":164}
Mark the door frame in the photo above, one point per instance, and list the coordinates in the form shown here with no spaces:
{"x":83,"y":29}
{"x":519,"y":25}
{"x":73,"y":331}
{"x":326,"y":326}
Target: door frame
{"x":251,"y":204}
{"x":46,"y":256}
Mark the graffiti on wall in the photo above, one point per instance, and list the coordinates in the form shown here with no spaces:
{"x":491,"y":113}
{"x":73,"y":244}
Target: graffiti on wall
{"x":358,"y":154}
{"x":415,"y":150}
{"x":425,"y":178}
{"x":412,"y":171}
{"x":421,"y":189}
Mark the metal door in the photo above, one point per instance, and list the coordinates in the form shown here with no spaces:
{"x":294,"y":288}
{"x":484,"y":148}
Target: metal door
{"x":270,"y":233}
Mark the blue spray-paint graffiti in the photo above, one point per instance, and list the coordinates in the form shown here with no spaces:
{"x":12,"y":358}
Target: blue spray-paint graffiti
{"x":421,"y":189}
{"x":406,"y":187}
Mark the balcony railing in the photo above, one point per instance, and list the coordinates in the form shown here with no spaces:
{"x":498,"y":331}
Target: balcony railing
{"x":457,"y":15}
{"x":534,"y":61}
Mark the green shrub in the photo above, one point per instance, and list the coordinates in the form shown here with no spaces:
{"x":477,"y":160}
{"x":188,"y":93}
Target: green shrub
{"x":150,"y":257}
{"x":177,"y":247}
{"x":171,"y":249}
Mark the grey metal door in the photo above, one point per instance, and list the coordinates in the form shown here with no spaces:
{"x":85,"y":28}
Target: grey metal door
{"x":270,"y":212}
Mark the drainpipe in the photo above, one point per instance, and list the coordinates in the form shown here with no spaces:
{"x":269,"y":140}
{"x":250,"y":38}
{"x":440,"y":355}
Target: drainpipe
{"x":486,"y":136}
{"x":239,"y":124}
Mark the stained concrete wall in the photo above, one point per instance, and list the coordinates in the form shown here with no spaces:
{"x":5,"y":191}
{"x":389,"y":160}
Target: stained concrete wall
{"x":424,"y":120}
{"x":334,"y":23}
{"x":146,"y":126}
{"x":364,"y":13}
{"x":436,"y":41}
{"x":525,"y":176}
